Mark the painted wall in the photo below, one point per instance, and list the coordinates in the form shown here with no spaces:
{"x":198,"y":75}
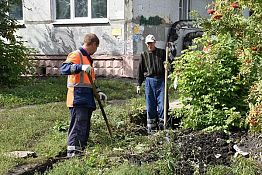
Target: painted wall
{"x":166,"y":9}
{"x":201,"y":7}
{"x":53,"y":41}
{"x":37,"y":11}
{"x":121,"y":38}
{"x":152,"y":17}
{"x":155,"y":17}
{"x":42,"y":32}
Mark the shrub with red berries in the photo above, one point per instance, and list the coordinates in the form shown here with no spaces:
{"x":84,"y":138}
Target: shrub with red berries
{"x":235,"y":5}
{"x":210,"y":11}
{"x":218,"y":84}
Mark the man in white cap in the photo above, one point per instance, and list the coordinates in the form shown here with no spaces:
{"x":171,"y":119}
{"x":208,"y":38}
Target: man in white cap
{"x":151,"y":69}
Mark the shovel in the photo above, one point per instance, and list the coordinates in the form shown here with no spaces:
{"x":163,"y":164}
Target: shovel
{"x":99,"y":103}
{"x":165,"y":95}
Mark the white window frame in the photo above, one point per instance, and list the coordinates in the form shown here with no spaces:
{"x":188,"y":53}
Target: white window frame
{"x":187,"y":9}
{"x":79,"y":20}
{"x":21,"y":21}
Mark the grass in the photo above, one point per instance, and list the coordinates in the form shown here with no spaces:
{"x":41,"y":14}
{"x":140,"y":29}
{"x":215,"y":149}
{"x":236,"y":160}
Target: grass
{"x":36,"y":91}
{"x":35,"y":128}
{"x":47,"y":90}
{"x":239,"y":166}
{"x":107,"y":156}
{"x":31,"y":129}
{"x":41,"y":128}
{"x":38,"y":131}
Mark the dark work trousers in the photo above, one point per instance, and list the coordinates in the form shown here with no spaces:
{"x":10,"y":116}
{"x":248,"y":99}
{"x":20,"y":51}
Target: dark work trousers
{"x":79,"y":128}
{"x":155,"y":91}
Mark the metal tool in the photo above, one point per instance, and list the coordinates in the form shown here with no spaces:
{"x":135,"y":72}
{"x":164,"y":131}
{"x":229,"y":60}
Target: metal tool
{"x":165,"y":95}
{"x":99,"y":103}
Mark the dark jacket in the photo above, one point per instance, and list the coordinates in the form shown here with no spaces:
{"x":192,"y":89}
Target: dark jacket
{"x":151,"y":65}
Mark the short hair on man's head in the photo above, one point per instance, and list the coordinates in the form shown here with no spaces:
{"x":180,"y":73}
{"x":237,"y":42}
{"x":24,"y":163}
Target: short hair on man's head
{"x":91,"y":38}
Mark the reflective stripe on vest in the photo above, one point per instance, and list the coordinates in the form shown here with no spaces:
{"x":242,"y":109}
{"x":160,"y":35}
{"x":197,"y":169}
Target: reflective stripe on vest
{"x":81,"y":82}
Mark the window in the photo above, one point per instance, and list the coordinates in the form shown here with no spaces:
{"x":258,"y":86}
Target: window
{"x":184,"y":9}
{"x":99,"y":9}
{"x":16,"y":10}
{"x":80,"y":9}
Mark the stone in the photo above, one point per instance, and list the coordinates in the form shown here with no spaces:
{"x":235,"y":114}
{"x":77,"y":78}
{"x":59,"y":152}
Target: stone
{"x":21,"y":154}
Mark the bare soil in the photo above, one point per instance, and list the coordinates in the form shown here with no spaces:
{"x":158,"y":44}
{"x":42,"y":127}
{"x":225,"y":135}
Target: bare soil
{"x":196,"y":150}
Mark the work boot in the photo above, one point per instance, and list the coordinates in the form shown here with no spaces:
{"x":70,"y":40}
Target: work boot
{"x":151,"y":131}
{"x":74,"y":153}
{"x":161,"y":126}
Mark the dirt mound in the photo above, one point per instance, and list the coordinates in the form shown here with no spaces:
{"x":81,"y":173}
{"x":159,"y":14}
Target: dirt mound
{"x":197,"y":150}
{"x":252,"y":144}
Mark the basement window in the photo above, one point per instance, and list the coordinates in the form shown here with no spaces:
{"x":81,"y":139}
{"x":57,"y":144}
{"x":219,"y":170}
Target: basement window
{"x":184,"y":9}
{"x":81,"y":11}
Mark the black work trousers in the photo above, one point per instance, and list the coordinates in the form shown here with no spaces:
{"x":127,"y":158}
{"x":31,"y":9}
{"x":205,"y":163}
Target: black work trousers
{"x":79,"y":128}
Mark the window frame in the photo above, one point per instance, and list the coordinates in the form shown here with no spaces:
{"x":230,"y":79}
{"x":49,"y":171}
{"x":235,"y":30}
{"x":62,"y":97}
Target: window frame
{"x":184,"y":13}
{"x":21,"y":21}
{"x":79,"y":20}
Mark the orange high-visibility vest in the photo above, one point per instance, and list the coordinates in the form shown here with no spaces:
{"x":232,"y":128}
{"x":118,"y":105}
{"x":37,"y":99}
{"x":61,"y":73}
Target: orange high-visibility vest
{"x":81,"y":79}
{"x":77,"y":80}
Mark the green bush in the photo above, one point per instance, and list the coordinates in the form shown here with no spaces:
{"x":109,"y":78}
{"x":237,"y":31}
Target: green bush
{"x":14,"y":60}
{"x":215,"y":83}
{"x":254,"y":119}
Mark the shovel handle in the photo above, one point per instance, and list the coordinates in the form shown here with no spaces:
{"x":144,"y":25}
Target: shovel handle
{"x":165,"y":94}
{"x":100,"y":104}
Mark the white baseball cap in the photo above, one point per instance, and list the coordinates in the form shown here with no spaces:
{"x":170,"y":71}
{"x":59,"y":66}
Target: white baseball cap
{"x":150,"y":39}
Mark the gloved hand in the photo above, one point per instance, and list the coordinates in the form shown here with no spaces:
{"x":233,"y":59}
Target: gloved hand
{"x":167,"y":65}
{"x":138,"y":89}
{"x":102,"y":96}
{"x":87,"y":68}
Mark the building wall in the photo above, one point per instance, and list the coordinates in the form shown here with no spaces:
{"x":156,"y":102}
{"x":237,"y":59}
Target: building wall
{"x":50,"y":37}
{"x":201,"y":7}
{"x":53,"y":40}
{"x":121,"y":37}
{"x":153,"y":17}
